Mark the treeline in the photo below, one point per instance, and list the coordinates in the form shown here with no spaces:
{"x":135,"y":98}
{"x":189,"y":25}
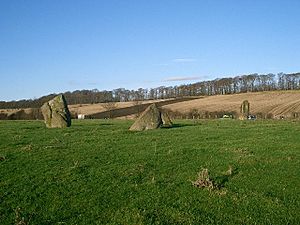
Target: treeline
{"x":222,"y":86}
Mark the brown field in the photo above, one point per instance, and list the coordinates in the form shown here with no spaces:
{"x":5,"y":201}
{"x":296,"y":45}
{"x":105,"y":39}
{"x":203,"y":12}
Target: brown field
{"x":277,"y":103}
{"x":89,"y":109}
{"x":10,"y":111}
{"x":86,"y":109}
{"x":280,"y":103}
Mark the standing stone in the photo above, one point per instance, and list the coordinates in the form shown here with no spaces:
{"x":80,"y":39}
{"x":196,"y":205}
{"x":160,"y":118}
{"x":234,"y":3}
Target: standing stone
{"x":56,"y":113}
{"x":166,"y":119}
{"x":245,"y":109}
{"x":149,"y":119}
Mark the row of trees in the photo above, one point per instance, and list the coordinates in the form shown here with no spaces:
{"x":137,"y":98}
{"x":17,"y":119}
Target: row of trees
{"x":222,"y":86}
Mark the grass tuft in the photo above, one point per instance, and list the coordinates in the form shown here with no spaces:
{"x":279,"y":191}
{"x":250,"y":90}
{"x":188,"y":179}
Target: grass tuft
{"x":203,"y":180}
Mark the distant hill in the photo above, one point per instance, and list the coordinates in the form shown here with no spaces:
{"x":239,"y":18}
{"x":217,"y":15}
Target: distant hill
{"x":219,"y":86}
{"x":273,"y":104}
{"x":270,"y":104}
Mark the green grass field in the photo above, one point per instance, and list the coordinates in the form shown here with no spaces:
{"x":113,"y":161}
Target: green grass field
{"x":98,"y":172}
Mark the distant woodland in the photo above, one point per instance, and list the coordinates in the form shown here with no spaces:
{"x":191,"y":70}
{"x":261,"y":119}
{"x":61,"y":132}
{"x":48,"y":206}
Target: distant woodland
{"x":220,"y":86}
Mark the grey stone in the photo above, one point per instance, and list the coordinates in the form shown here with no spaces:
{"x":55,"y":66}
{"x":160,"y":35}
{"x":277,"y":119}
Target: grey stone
{"x":245,"y":110}
{"x":56,"y":113}
{"x":166,"y":119}
{"x":148,"y":120}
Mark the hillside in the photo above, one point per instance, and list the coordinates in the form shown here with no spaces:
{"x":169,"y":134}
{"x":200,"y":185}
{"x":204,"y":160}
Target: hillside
{"x":218,"y":86}
{"x":94,"y":111}
{"x":89,"y":109}
{"x":272,"y":104}
{"x":277,"y":103}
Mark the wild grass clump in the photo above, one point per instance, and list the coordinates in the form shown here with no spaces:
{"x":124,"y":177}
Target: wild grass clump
{"x":20,"y":218}
{"x":204,"y":180}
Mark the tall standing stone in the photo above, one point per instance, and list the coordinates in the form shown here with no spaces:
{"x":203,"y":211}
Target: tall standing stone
{"x":56,"y":113}
{"x":149,"y":119}
{"x":245,"y":109}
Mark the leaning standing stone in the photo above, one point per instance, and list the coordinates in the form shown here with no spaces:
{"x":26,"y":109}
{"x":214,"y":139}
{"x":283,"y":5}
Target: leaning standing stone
{"x":56,"y":113}
{"x":148,"y":120}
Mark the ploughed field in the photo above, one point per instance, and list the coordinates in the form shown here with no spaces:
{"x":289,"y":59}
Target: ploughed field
{"x":98,"y":172}
{"x":269,"y":104}
{"x":275,"y":103}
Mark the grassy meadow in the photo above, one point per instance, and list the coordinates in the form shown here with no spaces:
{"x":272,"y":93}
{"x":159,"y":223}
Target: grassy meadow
{"x":98,"y":172}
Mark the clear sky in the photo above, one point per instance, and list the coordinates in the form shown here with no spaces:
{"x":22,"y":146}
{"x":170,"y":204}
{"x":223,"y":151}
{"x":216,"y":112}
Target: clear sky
{"x":51,"y":46}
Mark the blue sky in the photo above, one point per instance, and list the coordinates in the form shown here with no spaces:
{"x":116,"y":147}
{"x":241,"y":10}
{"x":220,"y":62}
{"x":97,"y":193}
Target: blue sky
{"x":51,"y":46}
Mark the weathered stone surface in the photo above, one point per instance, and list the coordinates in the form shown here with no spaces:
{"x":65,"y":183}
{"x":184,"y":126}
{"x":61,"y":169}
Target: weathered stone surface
{"x":56,"y":113}
{"x":166,"y":119}
{"x":149,"y":119}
